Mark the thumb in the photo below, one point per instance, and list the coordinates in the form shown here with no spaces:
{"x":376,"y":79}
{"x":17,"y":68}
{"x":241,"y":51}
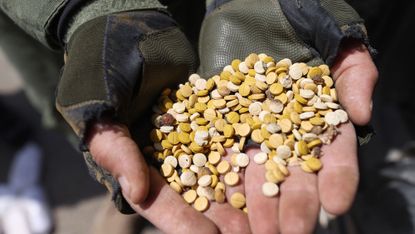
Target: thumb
{"x":113,"y":149}
{"x":356,"y":76}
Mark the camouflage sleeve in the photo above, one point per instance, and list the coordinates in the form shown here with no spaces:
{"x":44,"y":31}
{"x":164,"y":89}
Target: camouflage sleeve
{"x":41,"y":18}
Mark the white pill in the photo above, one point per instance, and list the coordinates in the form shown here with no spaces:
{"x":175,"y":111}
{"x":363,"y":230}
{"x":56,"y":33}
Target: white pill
{"x":188,"y":178}
{"x":332,"y":118}
{"x":171,"y":160}
{"x":260,"y":158}
{"x":342,"y":115}
{"x":242,"y":159}
{"x":270,"y":189}
{"x":199,"y":159}
{"x":205,"y":180}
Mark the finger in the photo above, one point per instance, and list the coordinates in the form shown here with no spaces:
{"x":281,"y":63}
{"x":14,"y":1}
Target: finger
{"x":339,"y":177}
{"x":228,"y":219}
{"x":168,"y":211}
{"x":356,"y":76}
{"x":113,"y":149}
{"x":262,"y":210}
{"x":299,"y":204}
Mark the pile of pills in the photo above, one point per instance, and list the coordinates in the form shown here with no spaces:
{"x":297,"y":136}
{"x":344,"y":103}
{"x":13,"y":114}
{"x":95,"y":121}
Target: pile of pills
{"x":288,"y":110}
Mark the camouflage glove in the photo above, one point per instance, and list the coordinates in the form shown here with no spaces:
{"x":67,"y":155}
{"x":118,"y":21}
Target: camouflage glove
{"x":304,"y":30}
{"x":116,"y":66}
{"x":310,"y":31}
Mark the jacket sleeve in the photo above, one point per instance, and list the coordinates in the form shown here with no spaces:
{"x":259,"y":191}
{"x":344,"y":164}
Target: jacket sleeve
{"x":41,"y":18}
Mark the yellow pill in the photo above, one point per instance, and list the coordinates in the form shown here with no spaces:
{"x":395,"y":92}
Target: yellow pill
{"x":184,"y":137}
{"x":244,"y":89}
{"x":232,"y":103}
{"x":269,"y":118}
{"x":325,"y":69}
{"x":232,"y":117}
{"x":282,"y":97}
{"x":235,"y":64}
{"x":276,"y":88}
{"x":310,"y":86}
{"x":166,"y":144}
{"x":231,"y":178}
{"x":256,"y":136}
{"x":279,"y":177}
{"x":228,"y":143}
{"x":214,"y":157}
{"x":201,"y":204}
{"x":218,"y":138}
{"x":156,"y":135}
{"x":219,"y":103}
{"x":265,"y":133}
{"x":219,"y":196}
{"x":223,"y":167}
{"x":224,"y":75}
{"x":202,"y":93}
{"x":314,"y":164}
{"x":173,"y":138}
{"x":209,"y":114}
{"x":238,"y":200}
{"x":176,"y":187}
{"x":200,"y":107}
{"x":167,"y":170}
{"x":328,"y":81}
{"x":210,"y":84}
{"x":314,"y":72}
{"x":214,"y":180}
{"x":228,"y":131}
{"x":243,"y":110}
{"x":302,"y":147}
{"x":285,"y":125}
{"x":326,"y":90}
{"x":307,"y":126}
{"x":241,"y":143}
{"x":220,"y":149}
{"x":186,"y":91}
{"x":317,"y":121}
{"x":192,"y":101}
{"x":271,"y":78}
{"x":212,"y":169}
{"x":201,"y":121}
{"x":297,"y":107}
{"x":261,"y":85}
{"x":270,"y":177}
{"x":235,"y":80}
{"x":242,"y":129}
{"x":195,"y":148}
{"x":300,"y":99}
{"x":220,"y":124}
{"x":314,"y":143}
{"x":190,"y":196}
{"x":275,"y":140}
{"x":295,"y":118}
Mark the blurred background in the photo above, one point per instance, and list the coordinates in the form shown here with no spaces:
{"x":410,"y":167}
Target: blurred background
{"x":385,"y":202}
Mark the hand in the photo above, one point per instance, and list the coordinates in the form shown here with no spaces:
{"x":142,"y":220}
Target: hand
{"x":231,"y":32}
{"x":143,"y":187}
{"x":296,"y":209}
{"x":110,"y":76}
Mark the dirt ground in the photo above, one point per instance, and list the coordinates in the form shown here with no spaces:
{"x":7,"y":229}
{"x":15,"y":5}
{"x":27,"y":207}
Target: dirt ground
{"x":73,"y":195}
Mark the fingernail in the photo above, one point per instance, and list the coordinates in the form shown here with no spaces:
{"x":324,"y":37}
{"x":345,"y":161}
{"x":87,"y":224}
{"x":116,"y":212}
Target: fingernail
{"x":125,"y":185}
